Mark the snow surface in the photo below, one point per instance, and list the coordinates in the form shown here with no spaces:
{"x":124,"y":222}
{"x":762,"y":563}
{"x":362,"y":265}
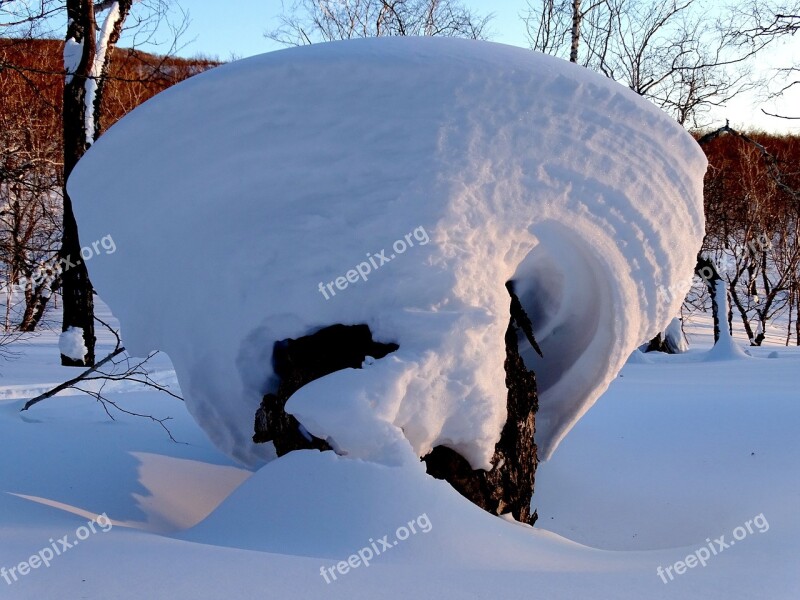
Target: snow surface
{"x":242,"y":191}
{"x":676,"y":451}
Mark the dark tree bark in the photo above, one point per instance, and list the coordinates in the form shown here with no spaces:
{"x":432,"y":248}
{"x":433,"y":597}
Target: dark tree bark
{"x":77,"y":291}
{"x":35,"y":305}
{"x":796,"y":294}
{"x":737,"y":302}
{"x":507,"y":488}
{"x":301,"y":361}
{"x":706,"y":270}
{"x":76,"y":286}
{"x":658,"y":344}
{"x":577,"y":16}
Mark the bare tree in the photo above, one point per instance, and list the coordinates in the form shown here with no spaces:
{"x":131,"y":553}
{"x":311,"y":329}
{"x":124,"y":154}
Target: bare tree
{"x":309,"y":21}
{"x":115,"y":367}
{"x":674,"y":53}
{"x":88,"y":47}
{"x":30,"y":192}
{"x":86,"y":58}
{"x":686,"y":58}
{"x":768,"y":22}
{"x":752,"y":209}
{"x":547,"y":25}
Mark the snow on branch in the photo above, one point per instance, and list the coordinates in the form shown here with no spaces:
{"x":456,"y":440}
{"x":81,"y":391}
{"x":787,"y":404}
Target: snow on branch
{"x":110,"y":24}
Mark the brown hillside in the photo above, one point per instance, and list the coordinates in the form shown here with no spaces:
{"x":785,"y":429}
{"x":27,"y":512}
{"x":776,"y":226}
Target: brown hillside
{"x":31,"y":80}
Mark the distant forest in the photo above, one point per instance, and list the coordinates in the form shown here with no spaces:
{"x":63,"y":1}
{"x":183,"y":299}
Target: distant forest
{"x":31,"y":157}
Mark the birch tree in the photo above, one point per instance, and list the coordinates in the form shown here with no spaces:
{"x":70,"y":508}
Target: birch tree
{"x":680,"y":54}
{"x":86,"y":54}
{"x":77,"y":102}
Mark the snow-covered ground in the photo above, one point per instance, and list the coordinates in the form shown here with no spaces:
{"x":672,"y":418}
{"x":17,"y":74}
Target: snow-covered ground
{"x":241,"y":199}
{"x":678,"y":450}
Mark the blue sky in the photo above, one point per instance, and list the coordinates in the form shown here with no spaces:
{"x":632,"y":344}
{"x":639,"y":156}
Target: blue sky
{"x":236,"y":29}
{"x":220,"y":32}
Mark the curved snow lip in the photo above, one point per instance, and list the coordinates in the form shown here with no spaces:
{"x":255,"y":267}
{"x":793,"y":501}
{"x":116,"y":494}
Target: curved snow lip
{"x":567,"y":291}
{"x":239,"y":191}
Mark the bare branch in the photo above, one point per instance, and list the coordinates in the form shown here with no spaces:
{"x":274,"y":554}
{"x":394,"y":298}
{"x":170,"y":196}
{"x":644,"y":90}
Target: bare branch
{"x":779,"y":116}
{"x":309,"y":21}
{"x":72,"y":382}
{"x":135,"y":373}
{"x":773,"y":164}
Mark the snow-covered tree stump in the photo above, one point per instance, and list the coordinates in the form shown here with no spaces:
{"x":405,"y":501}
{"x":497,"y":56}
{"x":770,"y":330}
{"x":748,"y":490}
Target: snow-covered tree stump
{"x":298,"y":362}
{"x":592,"y":222}
{"x":507,"y":488}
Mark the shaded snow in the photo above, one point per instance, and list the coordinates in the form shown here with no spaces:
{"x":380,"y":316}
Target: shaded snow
{"x":677,"y":451}
{"x":674,"y":338}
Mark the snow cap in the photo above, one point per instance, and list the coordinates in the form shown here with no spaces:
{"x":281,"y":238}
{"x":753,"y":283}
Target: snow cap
{"x":397,"y":182}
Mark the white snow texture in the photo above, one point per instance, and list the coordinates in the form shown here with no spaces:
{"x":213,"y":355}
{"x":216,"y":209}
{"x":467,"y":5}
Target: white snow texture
{"x":73,"y":52}
{"x":70,"y":343}
{"x":674,"y":338}
{"x":237,"y":192}
{"x":103,"y":37}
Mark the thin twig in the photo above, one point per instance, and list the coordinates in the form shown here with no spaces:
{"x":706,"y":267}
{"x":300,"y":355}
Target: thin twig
{"x":134,"y":372}
{"x":71,"y":382}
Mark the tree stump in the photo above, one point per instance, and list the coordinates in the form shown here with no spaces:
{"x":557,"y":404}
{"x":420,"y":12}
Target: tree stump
{"x":507,"y":488}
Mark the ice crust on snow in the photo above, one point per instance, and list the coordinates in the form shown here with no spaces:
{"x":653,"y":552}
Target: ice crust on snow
{"x":239,"y":191}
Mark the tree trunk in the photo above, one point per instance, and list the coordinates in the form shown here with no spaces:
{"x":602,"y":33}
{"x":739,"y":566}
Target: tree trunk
{"x":706,"y":270}
{"x":797,"y":314}
{"x":658,"y":344}
{"x":81,"y":125}
{"x":35,"y":305}
{"x":301,"y":361}
{"x":577,"y":16}
{"x":507,"y":488}
{"x":76,"y":288}
{"x":745,"y":321}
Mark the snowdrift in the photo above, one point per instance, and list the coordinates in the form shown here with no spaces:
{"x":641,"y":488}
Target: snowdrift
{"x":398,"y":183}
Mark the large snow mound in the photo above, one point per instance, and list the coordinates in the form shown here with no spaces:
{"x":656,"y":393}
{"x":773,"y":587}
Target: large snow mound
{"x":248,"y":203}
